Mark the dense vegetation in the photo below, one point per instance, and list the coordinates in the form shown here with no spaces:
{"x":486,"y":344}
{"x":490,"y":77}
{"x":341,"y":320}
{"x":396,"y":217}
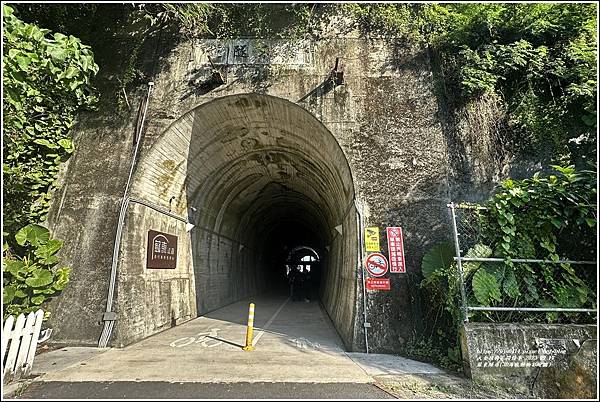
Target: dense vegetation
{"x":550,"y":218}
{"x":46,"y":81}
{"x":539,"y":59}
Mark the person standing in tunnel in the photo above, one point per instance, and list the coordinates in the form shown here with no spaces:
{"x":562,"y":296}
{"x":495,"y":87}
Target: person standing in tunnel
{"x":306,"y":285}
{"x":294,"y":280}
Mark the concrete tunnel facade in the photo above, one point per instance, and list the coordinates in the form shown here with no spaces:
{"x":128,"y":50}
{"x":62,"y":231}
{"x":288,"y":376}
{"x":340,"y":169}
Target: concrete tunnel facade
{"x":257,"y":176}
{"x":272,"y":158}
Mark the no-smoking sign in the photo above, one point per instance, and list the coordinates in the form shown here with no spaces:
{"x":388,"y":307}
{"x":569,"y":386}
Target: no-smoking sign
{"x":376,"y":264}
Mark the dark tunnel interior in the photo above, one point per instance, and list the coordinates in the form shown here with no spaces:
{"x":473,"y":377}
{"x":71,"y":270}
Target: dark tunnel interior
{"x":258,"y":177}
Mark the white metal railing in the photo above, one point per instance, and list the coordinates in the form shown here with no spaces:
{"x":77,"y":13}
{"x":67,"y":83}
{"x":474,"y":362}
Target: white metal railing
{"x":20,"y":337}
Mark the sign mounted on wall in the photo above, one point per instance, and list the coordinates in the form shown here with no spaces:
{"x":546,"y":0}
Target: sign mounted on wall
{"x":396,"y":250}
{"x":378,"y":283}
{"x":161,"y":250}
{"x":372,"y":239}
{"x":376,"y":264}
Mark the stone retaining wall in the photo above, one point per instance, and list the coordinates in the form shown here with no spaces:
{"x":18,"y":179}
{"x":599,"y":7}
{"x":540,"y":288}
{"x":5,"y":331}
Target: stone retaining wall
{"x":553,"y":361}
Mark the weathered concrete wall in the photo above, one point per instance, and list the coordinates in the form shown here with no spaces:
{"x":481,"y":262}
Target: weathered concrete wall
{"x":574,"y":378}
{"x":386,"y":121}
{"x":83,"y":214}
{"x":340,"y":294}
{"x":152,"y":300}
{"x":403,"y":157}
{"x":553,"y":361}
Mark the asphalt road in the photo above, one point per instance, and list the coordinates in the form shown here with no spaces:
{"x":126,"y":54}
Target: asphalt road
{"x":168,"y":390}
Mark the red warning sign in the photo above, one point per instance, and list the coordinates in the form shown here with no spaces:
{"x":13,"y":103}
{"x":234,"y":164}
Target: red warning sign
{"x":378,"y":283}
{"x":376,"y":264}
{"x":396,"y":250}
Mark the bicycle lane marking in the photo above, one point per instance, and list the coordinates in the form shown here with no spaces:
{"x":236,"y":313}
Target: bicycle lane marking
{"x":205,"y":339}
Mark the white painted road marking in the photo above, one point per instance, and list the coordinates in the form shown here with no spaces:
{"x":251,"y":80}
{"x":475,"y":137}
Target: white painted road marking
{"x":303,"y":343}
{"x":202,"y":338}
{"x":268,"y":324}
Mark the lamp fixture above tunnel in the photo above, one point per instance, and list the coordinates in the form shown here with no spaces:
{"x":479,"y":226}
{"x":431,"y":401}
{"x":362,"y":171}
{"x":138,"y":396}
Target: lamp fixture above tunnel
{"x":337,"y":75}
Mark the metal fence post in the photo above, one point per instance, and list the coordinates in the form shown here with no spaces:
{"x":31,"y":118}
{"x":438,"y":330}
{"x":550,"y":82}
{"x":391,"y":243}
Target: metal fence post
{"x":463,"y":294}
{"x":468,"y":228}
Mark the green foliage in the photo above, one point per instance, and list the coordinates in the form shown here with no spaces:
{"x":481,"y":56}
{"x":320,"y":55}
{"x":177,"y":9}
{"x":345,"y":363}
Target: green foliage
{"x":477,"y":251}
{"x":46,"y":81}
{"x":233,"y":20}
{"x":388,"y":19}
{"x":551,"y":218}
{"x":193,"y":17}
{"x":437,"y":259}
{"x":174,"y":22}
{"x":540,"y":57}
{"x":544,"y":216}
{"x":32,"y":279}
{"x":440,"y":285}
{"x":485,"y":287}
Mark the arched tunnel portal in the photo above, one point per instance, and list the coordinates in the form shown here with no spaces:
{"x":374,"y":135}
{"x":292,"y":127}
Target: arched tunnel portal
{"x":257,"y":176}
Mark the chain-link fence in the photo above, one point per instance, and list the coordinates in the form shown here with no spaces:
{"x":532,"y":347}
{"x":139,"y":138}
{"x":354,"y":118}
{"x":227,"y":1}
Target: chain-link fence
{"x":500,"y":289}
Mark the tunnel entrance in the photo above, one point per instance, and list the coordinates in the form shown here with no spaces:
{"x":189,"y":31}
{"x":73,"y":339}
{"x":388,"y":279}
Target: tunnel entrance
{"x":303,"y":273}
{"x":262,"y":181}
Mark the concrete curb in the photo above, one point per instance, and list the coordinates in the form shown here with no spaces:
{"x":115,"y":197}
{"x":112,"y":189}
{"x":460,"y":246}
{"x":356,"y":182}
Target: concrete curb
{"x":11,"y":390}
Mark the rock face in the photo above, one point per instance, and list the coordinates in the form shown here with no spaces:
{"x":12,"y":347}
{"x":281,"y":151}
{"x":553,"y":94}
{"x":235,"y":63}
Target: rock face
{"x":279,"y":154}
{"x":575,"y":378}
{"x":552,"y":361}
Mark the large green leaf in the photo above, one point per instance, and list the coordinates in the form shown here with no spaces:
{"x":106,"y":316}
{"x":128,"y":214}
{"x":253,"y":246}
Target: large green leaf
{"x":438,"y":257}
{"x":16,"y":268}
{"x":8,"y":294}
{"x":34,"y":234}
{"x":39,"y":299}
{"x":485,"y":287}
{"x":46,"y":252}
{"x":45,"y":143}
{"x":477,"y":251}
{"x":66,"y":144}
{"x":20,"y":293}
{"x":45,"y":291}
{"x":510,"y":285}
{"x":6,"y":10}
{"x":39,"y":278}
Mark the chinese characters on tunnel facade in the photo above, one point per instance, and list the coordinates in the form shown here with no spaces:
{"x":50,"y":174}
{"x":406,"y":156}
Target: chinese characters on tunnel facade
{"x":162,"y":250}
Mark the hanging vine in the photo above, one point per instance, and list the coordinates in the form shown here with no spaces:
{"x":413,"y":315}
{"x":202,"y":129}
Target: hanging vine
{"x":46,"y":81}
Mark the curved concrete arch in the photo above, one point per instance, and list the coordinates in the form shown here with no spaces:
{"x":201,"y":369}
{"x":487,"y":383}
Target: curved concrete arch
{"x":295,"y":249}
{"x":229,"y":169}
{"x":256,"y":175}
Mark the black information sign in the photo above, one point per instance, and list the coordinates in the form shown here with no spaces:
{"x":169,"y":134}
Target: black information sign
{"x":162,"y":250}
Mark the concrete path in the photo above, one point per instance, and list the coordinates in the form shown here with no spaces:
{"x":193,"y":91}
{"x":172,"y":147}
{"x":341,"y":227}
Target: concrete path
{"x":294,"y":341}
{"x":298,"y":355}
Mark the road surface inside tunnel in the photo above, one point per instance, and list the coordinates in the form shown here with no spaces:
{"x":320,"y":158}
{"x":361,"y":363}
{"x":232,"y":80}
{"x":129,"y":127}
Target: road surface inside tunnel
{"x":294,"y":341}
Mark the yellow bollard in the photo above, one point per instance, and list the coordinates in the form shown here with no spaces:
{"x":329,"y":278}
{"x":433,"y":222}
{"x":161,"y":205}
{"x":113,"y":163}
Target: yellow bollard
{"x":250,"y":328}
